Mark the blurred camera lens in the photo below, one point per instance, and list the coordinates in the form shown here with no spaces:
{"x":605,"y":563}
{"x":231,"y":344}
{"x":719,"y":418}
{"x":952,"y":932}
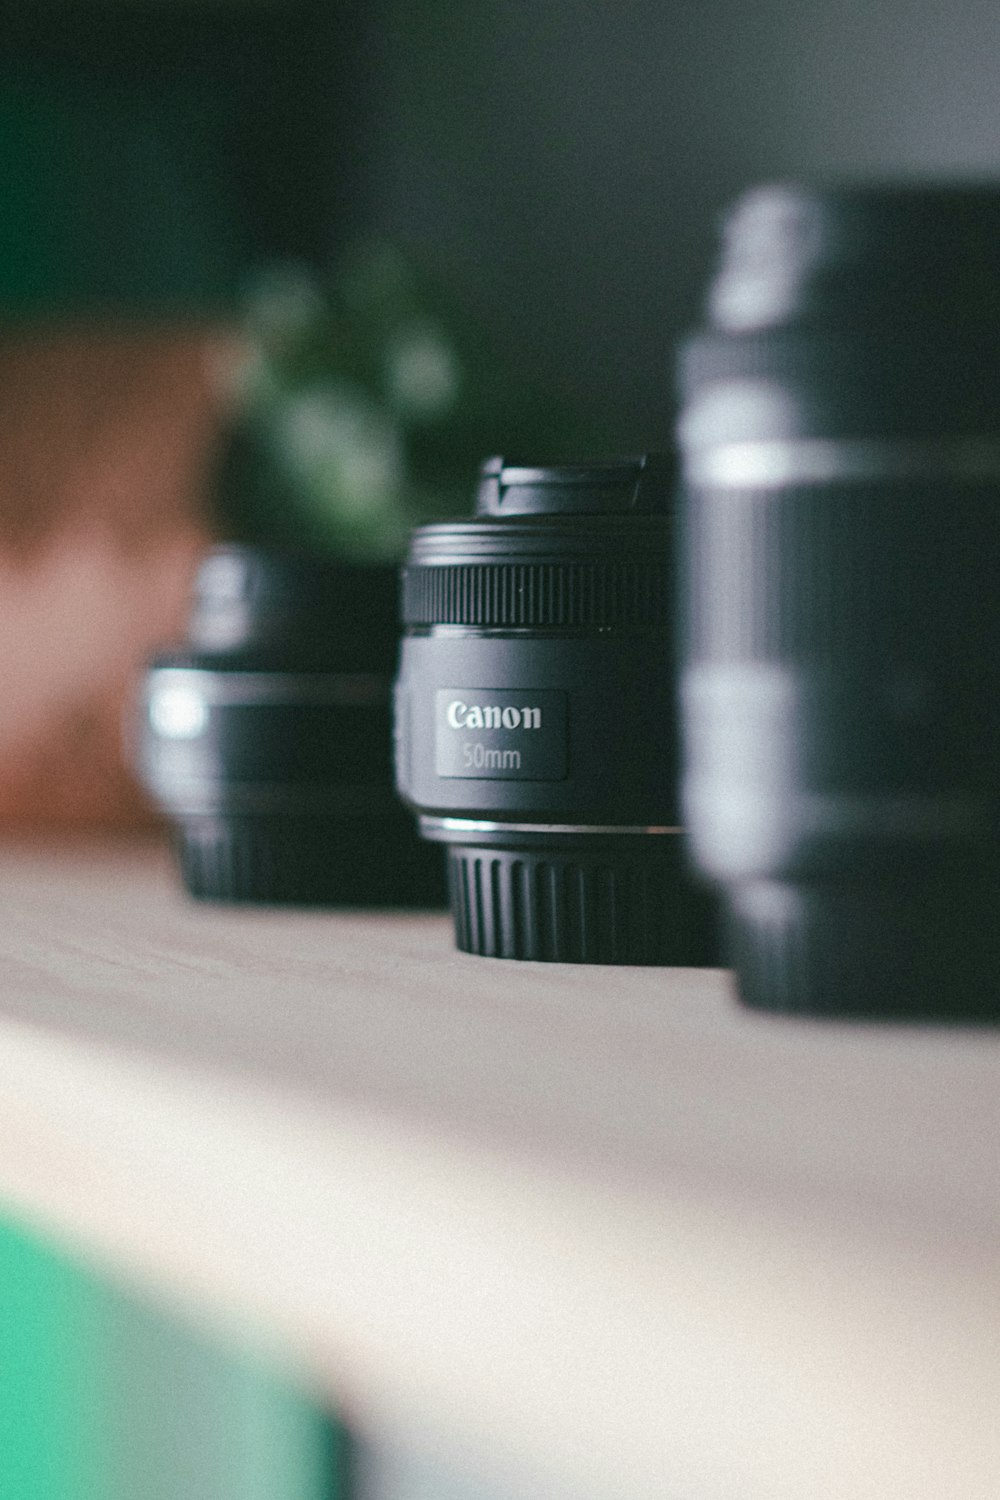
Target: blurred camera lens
{"x":267,"y":737}
{"x":841,"y":679}
{"x":535,"y":721}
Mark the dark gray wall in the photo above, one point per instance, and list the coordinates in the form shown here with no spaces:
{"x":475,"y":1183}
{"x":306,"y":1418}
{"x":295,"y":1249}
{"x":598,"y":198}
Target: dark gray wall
{"x":567,"y":159}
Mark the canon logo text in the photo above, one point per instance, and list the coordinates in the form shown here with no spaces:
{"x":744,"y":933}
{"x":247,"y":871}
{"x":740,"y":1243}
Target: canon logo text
{"x":491,"y":716}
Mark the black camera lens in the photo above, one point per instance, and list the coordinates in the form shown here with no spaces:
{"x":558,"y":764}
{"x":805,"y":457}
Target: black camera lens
{"x":267,"y":738}
{"x":535,"y":719}
{"x":841,"y":676}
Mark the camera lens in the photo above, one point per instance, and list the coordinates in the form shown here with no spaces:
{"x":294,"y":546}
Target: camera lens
{"x":535,"y":720}
{"x":841,"y":662}
{"x":267,"y":738}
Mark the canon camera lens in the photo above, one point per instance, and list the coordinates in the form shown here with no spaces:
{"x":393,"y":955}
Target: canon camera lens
{"x":535,"y":720}
{"x":841,"y":679}
{"x":267,"y":737}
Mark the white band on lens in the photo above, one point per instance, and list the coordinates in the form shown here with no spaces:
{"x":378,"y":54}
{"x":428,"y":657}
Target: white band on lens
{"x":773,"y":463}
{"x":479,"y":825}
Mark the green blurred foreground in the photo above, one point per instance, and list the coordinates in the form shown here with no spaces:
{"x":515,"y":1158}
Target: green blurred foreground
{"x":103,"y":1397}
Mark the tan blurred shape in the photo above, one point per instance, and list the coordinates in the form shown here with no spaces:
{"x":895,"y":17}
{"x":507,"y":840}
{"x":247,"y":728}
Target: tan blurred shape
{"x":105,"y":438}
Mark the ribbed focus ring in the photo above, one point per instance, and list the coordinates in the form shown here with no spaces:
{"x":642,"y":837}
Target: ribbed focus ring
{"x":623,"y":593}
{"x":541,"y":906}
{"x":815,"y":574}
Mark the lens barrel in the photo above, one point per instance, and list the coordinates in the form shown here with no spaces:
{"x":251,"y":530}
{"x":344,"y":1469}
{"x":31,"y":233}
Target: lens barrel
{"x":841,"y":660}
{"x":535,"y":717}
{"x":267,"y":738}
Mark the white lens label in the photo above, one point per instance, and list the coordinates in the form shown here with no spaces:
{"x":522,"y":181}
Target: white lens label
{"x":492,"y":734}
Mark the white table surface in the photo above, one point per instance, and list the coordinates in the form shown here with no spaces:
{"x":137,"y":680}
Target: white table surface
{"x":597,"y":1229}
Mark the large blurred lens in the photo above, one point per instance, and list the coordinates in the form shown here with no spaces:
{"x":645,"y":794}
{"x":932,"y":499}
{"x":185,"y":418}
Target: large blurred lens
{"x":841,"y":684}
{"x":267,"y":737}
{"x":535,"y":718}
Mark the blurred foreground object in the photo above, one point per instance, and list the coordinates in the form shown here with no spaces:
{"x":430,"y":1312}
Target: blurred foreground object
{"x":841,"y":689}
{"x":109,"y":1394}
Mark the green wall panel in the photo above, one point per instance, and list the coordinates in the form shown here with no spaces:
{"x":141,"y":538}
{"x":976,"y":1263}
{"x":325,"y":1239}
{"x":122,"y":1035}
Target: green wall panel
{"x":117,"y":198}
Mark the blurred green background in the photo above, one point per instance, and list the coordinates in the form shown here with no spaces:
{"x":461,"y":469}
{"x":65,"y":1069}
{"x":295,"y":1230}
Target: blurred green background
{"x":179,"y":163}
